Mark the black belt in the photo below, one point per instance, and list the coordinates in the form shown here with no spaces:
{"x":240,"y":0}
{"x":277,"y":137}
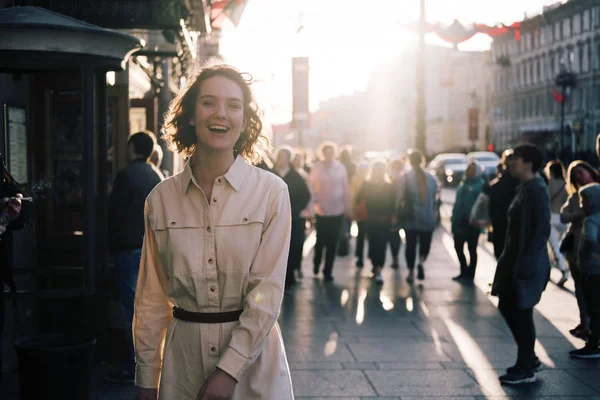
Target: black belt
{"x":206,"y":318}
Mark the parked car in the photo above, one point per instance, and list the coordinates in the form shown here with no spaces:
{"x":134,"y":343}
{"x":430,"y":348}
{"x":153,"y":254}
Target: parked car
{"x":487,"y":160}
{"x":449,"y":167}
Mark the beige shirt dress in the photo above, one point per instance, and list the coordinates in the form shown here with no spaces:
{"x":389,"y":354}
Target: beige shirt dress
{"x":228,"y":255}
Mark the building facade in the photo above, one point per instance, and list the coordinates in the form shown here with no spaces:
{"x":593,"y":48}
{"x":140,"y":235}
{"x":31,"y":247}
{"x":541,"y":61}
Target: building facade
{"x":526,"y":102}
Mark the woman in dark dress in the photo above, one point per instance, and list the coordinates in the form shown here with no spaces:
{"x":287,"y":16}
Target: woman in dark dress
{"x":524,"y":266}
{"x":379,"y":196}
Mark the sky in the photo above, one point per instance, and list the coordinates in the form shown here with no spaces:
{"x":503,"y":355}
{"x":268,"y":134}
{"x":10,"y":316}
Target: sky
{"x":344,"y":39}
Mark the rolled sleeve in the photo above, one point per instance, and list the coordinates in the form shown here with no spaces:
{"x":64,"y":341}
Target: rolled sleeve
{"x":265,"y":290}
{"x":152,"y":312}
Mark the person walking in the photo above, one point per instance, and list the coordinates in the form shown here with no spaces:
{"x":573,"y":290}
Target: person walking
{"x":555,"y":172}
{"x":579,"y":174}
{"x":299,"y":198}
{"x":345,"y":158}
{"x":379,"y":196}
{"x":417,"y":193}
{"x":126,"y":231}
{"x":331,"y":203}
{"x":462,"y":230}
{"x":524,"y":266}
{"x":359,"y":212}
{"x":215,"y":254}
{"x":14,"y":215}
{"x":500,"y":194}
{"x":589,"y":260}
{"x":397,"y":169}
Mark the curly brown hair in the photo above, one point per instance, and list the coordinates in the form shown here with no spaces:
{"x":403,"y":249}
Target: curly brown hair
{"x":181,"y":136}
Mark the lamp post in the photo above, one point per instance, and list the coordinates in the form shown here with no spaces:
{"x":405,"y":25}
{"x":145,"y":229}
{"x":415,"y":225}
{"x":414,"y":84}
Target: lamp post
{"x":565,"y":80}
{"x":420,"y":139}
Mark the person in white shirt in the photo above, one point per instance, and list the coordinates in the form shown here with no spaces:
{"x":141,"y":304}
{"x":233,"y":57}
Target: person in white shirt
{"x":331,"y":202}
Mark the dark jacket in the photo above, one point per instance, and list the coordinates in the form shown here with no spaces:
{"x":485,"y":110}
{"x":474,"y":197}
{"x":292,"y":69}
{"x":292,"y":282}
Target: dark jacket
{"x":380,"y":199}
{"x":299,"y":192}
{"x":9,"y":188}
{"x":501,"y":192}
{"x":126,"y":205}
{"x":589,"y":246}
{"x":524,"y":267}
{"x":466,"y":196}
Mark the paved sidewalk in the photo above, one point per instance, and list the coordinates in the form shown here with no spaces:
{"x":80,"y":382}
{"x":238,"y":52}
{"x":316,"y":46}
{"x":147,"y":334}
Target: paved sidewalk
{"x":352,"y":339}
{"x":355,"y":340}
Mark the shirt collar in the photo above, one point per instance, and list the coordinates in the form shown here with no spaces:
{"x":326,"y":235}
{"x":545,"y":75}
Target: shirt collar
{"x":235,"y":176}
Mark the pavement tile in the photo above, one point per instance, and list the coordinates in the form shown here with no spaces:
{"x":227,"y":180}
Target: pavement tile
{"x":315,"y":366}
{"x":378,"y":328}
{"x":589,"y":377}
{"x":415,"y":366}
{"x":549,"y":383}
{"x":327,"y":398}
{"x":424,"y":383}
{"x":533,"y":398}
{"x":437,"y":398}
{"x":426,"y":352}
{"x":321,"y":350}
{"x":332,"y":383}
{"x":380,"y":398}
{"x":360,"y":366}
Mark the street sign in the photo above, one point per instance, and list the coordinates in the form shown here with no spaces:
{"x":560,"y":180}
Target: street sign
{"x":473,"y":124}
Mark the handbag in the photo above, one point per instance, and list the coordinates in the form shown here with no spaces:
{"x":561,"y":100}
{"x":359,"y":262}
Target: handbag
{"x":360,"y":211}
{"x":567,"y":243}
{"x":405,"y":211}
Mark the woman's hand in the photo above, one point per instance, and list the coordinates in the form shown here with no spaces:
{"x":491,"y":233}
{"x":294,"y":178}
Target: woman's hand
{"x":14,"y":206}
{"x":146,"y":394}
{"x":219,"y":386}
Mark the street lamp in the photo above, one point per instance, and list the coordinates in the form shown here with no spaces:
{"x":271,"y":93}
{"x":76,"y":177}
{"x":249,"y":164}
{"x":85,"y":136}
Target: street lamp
{"x":566,"y":80}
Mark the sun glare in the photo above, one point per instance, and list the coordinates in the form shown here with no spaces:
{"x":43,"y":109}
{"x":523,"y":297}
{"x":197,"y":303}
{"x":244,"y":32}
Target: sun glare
{"x":346,"y":40}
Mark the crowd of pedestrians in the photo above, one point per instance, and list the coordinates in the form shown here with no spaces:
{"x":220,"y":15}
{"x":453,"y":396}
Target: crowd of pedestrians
{"x":537,"y":217}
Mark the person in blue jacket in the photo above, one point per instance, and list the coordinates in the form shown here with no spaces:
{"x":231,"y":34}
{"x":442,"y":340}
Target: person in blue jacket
{"x":524,"y":267}
{"x":462,"y":230}
{"x":589,"y":261}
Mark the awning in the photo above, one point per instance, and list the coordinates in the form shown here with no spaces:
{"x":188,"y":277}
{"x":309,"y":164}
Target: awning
{"x":37,"y":31}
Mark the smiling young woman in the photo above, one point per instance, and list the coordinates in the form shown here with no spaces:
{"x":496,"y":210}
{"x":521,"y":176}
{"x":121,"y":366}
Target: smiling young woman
{"x":214,"y":257}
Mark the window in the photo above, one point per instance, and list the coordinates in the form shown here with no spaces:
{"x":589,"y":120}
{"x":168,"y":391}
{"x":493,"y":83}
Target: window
{"x":557,"y":32}
{"x":590,"y":62}
{"x":533,"y":72}
{"x":566,"y":28}
{"x":576,"y":24}
{"x":538,"y":73}
{"x":585,"y":20}
{"x":552,"y":72}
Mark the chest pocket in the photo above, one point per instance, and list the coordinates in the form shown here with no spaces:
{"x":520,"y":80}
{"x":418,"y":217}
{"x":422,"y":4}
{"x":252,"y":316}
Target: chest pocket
{"x":238,"y":238}
{"x":180,"y":244}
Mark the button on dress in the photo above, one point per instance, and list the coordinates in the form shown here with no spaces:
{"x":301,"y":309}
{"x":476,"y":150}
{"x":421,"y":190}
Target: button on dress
{"x":224,"y":256}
